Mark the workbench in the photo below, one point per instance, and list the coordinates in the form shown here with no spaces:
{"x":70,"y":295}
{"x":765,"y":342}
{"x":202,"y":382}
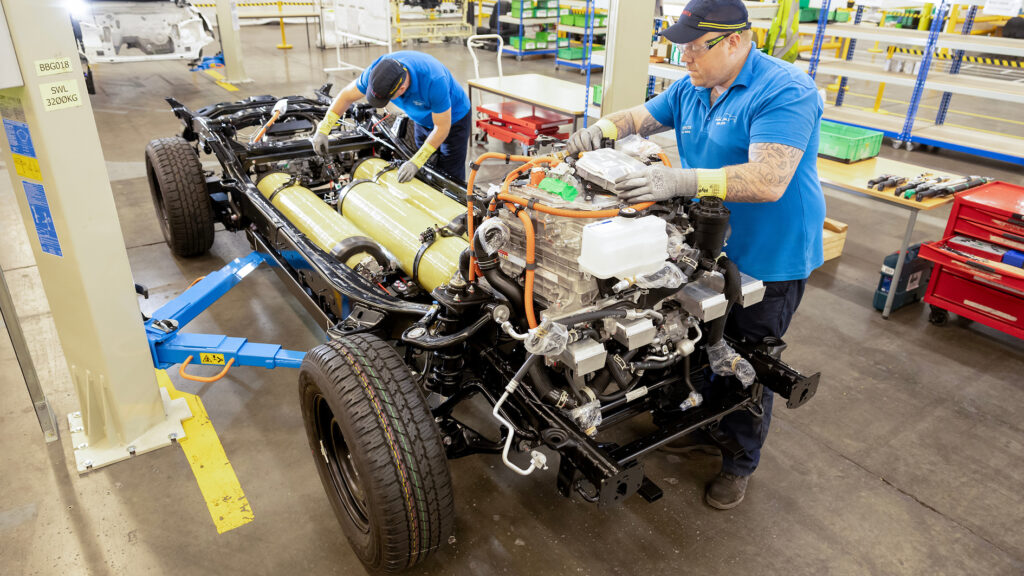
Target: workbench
{"x":544,"y":92}
{"x":854,"y":177}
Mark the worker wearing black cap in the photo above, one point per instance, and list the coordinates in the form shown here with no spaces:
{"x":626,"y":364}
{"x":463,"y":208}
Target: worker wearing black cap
{"x":426,"y":91}
{"x":746,"y":127}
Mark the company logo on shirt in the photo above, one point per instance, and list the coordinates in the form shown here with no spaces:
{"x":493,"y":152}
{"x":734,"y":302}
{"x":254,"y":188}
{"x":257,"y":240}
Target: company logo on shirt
{"x":724,"y":119}
{"x":686,"y":129}
{"x":419,"y":103}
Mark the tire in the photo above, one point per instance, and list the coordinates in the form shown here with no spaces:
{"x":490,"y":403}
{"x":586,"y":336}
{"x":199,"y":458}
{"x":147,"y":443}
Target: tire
{"x":377,"y":450}
{"x":182,"y":203}
{"x":938,"y":316}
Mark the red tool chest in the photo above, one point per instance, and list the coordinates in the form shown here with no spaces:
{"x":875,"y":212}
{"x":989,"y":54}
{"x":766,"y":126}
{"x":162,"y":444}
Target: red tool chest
{"x":969,"y":281}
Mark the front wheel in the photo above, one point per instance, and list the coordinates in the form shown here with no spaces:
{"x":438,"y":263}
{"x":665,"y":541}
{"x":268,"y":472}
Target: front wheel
{"x":378,"y":451}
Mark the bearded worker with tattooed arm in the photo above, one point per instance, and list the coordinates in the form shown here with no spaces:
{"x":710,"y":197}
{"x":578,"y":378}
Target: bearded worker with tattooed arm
{"x":746,"y":126}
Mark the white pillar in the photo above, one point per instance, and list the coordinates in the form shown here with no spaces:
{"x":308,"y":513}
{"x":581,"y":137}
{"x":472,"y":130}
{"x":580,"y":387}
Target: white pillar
{"x":57,"y":172}
{"x":231,"y":41}
{"x":630,"y":23}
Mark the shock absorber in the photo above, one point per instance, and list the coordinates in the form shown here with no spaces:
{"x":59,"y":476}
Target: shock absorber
{"x":446,"y":364}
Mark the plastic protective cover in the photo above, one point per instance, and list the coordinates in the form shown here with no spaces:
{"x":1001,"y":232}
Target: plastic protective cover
{"x":604,"y":166}
{"x":638,"y":147}
{"x":727,"y":362}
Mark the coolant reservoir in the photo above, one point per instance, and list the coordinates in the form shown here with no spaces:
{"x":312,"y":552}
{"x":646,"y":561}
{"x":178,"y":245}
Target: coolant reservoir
{"x":624,"y":247}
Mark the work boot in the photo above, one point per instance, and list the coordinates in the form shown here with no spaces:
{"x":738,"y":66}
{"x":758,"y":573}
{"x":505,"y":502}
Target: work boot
{"x":726,"y":491}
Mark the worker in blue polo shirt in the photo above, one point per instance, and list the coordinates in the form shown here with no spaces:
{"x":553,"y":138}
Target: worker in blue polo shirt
{"x":426,"y":91}
{"x":746,"y":125}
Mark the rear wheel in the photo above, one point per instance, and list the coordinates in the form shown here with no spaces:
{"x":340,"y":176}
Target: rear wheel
{"x":377,"y":450}
{"x":178,"y":186}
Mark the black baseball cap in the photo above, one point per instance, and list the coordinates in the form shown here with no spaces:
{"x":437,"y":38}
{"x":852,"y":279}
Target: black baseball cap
{"x":703,"y":16}
{"x":385,"y":79}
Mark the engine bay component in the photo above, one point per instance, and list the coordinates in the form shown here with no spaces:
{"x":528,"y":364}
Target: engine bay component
{"x":624,"y":247}
{"x":418,"y":194}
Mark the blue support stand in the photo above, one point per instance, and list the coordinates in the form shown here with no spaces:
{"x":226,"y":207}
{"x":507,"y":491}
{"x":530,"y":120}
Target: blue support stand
{"x":922,"y":74}
{"x":954,"y":68}
{"x":841,"y":94}
{"x":169,"y":346}
{"x":819,"y":37}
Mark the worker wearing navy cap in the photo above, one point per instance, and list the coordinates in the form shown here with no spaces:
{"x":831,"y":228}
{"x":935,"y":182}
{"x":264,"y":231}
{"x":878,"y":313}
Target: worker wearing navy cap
{"x":426,"y":91}
{"x":746,"y":126}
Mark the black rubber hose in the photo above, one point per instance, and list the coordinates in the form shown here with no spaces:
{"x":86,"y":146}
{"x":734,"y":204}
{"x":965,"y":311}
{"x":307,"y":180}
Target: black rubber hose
{"x":591,"y":316}
{"x":656,"y":364}
{"x":496,"y":278}
{"x":464,"y":263}
{"x":545,"y":390}
{"x":732,"y":296}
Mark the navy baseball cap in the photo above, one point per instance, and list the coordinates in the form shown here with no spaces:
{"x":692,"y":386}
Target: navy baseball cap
{"x":703,"y":16}
{"x":385,"y":79}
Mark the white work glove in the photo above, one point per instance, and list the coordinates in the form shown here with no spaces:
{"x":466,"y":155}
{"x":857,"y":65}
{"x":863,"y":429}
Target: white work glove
{"x":727,"y":362}
{"x":589,"y":138}
{"x":319,"y":141}
{"x":323,"y":129}
{"x":407,"y":171}
{"x":656,"y":183}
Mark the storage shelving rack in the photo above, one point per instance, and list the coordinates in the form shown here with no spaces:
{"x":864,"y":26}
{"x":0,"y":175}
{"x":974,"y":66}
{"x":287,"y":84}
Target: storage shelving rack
{"x":523,"y":22}
{"x":588,"y":32}
{"x":910,"y":130}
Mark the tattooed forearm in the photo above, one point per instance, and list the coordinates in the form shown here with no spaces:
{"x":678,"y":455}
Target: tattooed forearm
{"x":636,"y":120}
{"x":765,"y":177}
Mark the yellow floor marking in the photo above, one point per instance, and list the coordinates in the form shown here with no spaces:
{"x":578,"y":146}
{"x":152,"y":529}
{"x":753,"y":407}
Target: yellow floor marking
{"x":216,"y":478}
{"x":220,"y":80}
{"x":951,"y":111}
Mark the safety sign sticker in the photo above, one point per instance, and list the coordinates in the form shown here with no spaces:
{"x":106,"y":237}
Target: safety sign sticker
{"x":42,"y":218}
{"x":211,"y":358}
{"x":27,"y":167}
{"x":19,"y":138}
{"x":10,"y":108}
{"x":58,"y":95}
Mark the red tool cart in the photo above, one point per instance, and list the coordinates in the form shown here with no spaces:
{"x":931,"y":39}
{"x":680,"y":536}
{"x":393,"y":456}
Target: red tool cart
{"x":977,"y":273}
{"x":520,"y":122}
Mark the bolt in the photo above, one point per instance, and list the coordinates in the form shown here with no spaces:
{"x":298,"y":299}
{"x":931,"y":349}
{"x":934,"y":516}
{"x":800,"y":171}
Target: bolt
{"x":438,"y":419}
{"x":87,"y":463}
{"x":447,"y":440}
{"x":131,"y":450}
{"x":82,"y":446}
{"x":173,"y":437}
{"x":77,"y":429}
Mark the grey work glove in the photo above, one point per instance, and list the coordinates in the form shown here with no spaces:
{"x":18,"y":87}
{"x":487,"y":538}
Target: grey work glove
{"x":656,"y":183}
{"x":319,"y":141}
{"x":407,"y":171}
{"x":727,"y":362}
{"x":585,"y":140}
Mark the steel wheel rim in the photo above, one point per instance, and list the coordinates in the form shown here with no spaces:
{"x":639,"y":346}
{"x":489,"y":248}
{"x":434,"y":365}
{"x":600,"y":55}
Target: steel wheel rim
{"x":341,"y":469}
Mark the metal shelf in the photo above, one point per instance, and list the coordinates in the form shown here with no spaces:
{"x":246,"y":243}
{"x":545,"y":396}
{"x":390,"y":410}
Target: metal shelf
{"x":981,"y":87}
{"x":578,"y":64}
{"x":538,"y":51}
{"x":581,"y":29}
{"x":988,"y":144}
{"x":906,"y":37}
{"x":526,"y":21}
{"x":890,"y":124}
{"x":668,"y":71}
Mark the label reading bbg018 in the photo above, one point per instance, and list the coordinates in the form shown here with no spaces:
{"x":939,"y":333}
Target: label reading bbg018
{"x":53,"y":66}
{"x":58,"y":95}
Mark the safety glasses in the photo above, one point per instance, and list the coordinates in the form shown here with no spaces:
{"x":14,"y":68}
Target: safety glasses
{"x":695,"y":49}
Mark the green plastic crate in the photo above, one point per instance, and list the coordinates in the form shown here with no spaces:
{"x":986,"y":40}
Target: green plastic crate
{"x":520,"y":43}
{"x":571,"y":53}
{"x":568,"y":19}
{"x":848,"y":143}
{"x":596,"y":93}
{"x":811,"y":15}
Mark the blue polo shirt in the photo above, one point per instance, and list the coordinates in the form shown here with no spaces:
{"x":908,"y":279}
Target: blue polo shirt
{"x":432,"y":88}
{"x":769,"y":102}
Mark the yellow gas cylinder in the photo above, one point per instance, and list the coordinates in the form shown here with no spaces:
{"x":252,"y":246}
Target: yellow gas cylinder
{"x":314,"y":218}
{"x":416,"y":193}
{"x":397,"y":226}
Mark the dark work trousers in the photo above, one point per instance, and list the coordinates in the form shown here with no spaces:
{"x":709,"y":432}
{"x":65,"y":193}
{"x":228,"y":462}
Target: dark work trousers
{"x":450,"y":158}
{"x":769,"y":317}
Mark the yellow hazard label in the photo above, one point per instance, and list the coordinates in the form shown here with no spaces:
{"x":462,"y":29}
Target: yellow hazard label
{"x":27,"y":167}
{"x":217,"y":359}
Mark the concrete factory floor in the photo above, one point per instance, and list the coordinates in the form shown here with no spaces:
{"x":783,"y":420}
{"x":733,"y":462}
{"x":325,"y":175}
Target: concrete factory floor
{"x":910,"y":460}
